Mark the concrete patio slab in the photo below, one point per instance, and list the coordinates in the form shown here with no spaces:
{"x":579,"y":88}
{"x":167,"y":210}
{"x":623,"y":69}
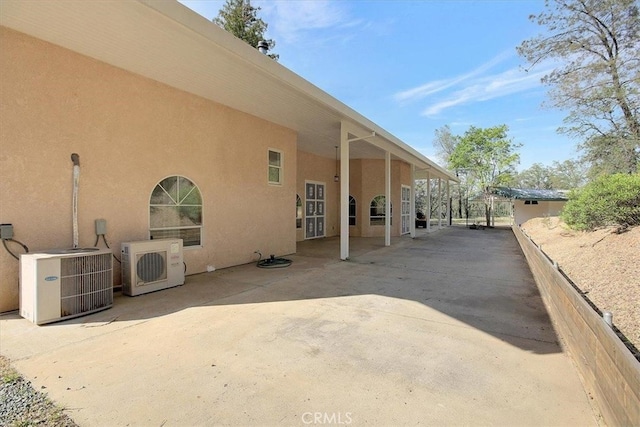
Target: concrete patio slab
{"x":444,"y":329}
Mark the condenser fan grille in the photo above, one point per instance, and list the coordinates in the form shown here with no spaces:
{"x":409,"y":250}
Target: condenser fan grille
{"x":86,"y":284}
{"x":151,"y":267}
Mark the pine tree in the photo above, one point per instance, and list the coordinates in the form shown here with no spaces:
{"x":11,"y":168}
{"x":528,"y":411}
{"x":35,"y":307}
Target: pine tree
{"x":240,"y":18}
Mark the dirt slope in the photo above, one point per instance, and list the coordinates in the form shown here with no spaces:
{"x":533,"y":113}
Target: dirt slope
{"x":604,"y":265}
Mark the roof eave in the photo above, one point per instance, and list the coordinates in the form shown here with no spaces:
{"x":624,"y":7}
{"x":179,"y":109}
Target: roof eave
{"x":170,"y":43}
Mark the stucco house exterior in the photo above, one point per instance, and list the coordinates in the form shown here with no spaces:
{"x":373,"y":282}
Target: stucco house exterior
{"x":182,"y":130}
{"x":533,"y":203}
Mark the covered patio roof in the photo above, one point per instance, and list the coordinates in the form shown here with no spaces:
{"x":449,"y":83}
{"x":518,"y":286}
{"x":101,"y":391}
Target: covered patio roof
{"x":167,"y":42}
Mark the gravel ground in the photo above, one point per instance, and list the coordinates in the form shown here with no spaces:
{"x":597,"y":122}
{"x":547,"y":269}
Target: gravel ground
{"x":603,"y":264}
{"x":22,"y":406}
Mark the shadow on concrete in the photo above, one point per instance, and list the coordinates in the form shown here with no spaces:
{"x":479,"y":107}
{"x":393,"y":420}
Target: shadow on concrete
{"x":478,"y":278}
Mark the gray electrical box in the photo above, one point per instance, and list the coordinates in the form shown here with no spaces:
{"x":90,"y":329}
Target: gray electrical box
{"x":101,"y":227}
{"x":6,"y":231}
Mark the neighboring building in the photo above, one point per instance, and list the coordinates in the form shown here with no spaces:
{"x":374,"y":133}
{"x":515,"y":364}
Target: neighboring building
{"x":533,"y":203}
{"x":184,"y":131}
{"x":501,"y":210}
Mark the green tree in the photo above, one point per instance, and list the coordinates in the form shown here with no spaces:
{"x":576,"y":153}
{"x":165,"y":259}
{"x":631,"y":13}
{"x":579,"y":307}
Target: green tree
{"x":568,"y":175}
{"x":537,"y":176}
{"x":596,"y":43}
{"x":608,"y":200}
{"x":421,"y":198}
{"x":445,"y":143}
{"x":488,"y":156}
{"x":240,"y":18}
{"x":607,"y":155}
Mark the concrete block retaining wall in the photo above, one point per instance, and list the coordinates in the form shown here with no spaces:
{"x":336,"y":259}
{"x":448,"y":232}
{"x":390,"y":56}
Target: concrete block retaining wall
{"x":610,"y":373}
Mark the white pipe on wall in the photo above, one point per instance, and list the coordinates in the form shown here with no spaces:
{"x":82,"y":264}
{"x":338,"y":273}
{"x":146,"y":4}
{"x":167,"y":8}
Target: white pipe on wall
{"x":75,"y":158}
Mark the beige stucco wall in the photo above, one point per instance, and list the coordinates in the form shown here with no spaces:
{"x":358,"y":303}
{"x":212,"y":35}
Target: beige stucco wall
{"x":372,"y":183}
{"x":366,"y":180}
{"x":130,"y":133}
{"x":523,"y":213}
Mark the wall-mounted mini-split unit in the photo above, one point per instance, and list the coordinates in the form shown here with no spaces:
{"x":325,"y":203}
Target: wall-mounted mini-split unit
{"x":62,"y":284}
{"x":151,"y":265}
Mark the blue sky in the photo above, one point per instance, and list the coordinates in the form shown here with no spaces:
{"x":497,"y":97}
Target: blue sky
{"x":415,"y":66}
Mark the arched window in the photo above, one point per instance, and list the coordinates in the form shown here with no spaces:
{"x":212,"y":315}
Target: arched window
{"x":175,"y":211}
{"x":298,"y":212}
{"x":352,"y":210}
{"x":377,"y":211}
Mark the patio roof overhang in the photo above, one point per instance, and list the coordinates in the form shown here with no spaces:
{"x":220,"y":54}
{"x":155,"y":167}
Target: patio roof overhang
{"x":169,"y":43}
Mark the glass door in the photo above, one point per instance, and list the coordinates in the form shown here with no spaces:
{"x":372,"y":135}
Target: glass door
{"x":314,"y":209}
{"x":406,"y":210}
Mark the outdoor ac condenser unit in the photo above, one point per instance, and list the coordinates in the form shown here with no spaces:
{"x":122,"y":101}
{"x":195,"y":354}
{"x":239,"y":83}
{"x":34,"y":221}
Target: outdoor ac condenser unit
{"x":151,"y":265}
{"x":62,"y":284}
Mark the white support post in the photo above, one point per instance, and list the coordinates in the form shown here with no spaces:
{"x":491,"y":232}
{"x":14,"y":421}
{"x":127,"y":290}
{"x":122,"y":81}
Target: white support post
{"x":439,"y":202}
{"x":344,"y":193}
{"x":428,"y":213}
{"x":448,"y":204}
{"x":387,"y":198}
{"x":412,"y":203}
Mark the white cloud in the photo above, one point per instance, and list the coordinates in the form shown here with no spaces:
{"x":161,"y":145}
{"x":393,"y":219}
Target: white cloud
{"x":475,"y":85}
{"x":440,"y":85}
{"x":488,"y":87}
{"x":426,"y":89}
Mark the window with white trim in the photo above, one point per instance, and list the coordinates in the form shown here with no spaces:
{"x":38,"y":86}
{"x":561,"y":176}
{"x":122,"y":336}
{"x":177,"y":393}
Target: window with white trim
{"x":175,"y":211}
{"x":377,"y":211}
{"x":275,"y":167}
{"x":352,"y":210}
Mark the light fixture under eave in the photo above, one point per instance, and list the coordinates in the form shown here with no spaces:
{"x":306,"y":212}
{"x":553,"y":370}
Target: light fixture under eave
{"x":336,"y":177}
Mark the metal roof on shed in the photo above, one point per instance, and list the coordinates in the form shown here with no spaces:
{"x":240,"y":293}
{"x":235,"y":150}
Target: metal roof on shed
{"x":530,"y":194}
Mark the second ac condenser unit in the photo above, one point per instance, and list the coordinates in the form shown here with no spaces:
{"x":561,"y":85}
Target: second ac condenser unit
{"x":151,"y":265}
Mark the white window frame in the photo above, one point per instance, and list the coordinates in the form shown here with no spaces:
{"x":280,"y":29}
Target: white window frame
{"x":311,"y":209}
{"x":279,"y":167}
{"x":178,"y":203}
{"x":378,"y":217}
{"x":355,"y":211}
{"x":405,"y":210}
{"x":300,"y":209}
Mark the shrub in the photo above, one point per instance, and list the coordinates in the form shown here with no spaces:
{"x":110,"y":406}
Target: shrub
{"x":609,"y":200}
